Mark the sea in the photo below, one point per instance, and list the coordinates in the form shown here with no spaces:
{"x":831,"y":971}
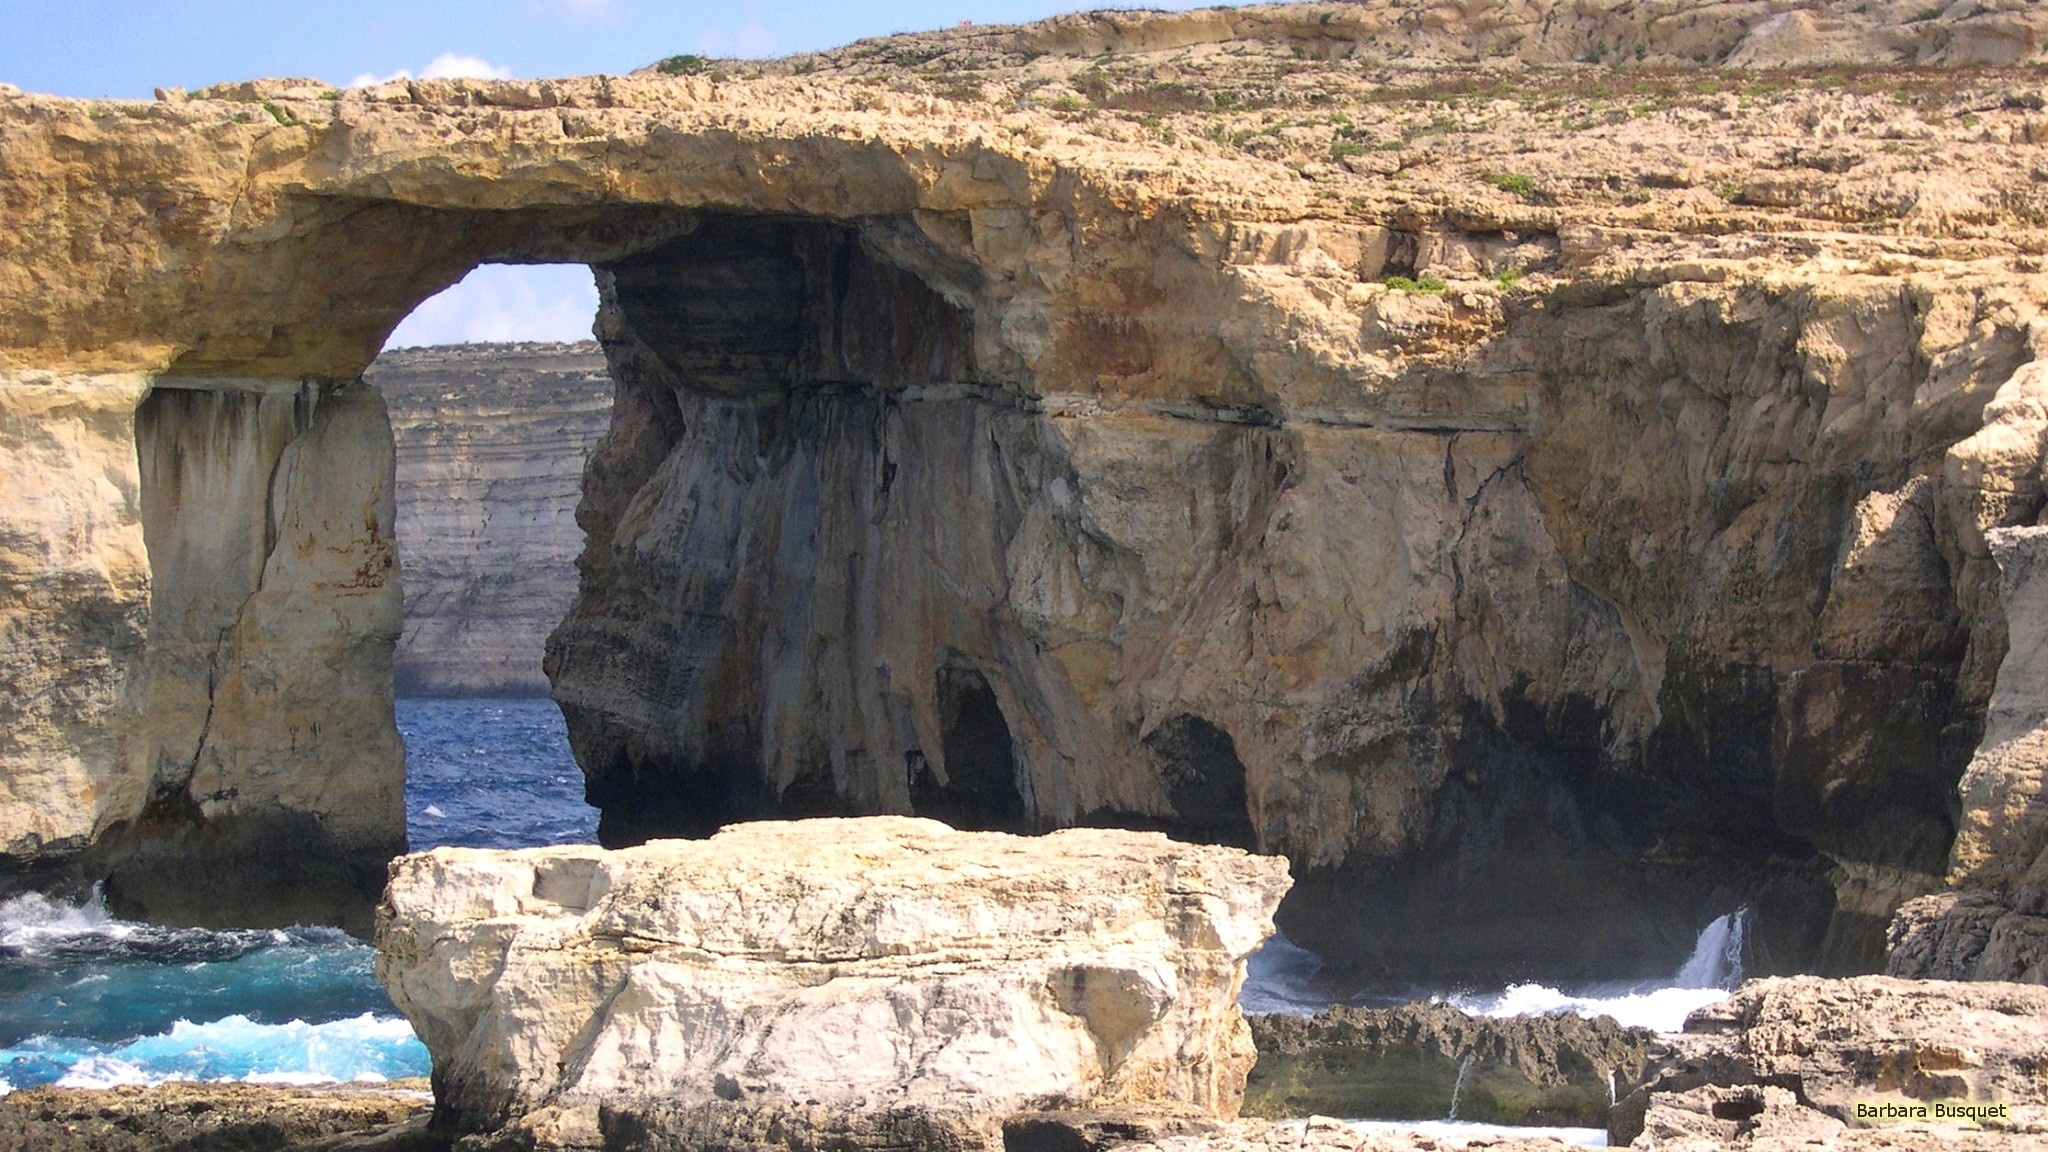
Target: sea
{"x":90,"y":1000}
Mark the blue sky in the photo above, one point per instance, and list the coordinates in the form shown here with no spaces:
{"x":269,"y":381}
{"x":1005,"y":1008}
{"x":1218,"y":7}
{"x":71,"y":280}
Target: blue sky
{"x":127,"y":48}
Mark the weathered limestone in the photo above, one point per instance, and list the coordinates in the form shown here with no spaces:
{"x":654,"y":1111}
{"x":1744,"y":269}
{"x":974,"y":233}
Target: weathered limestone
{"x":1084,"y":441}
{"x":1792,"y":1056}
{"x":491,"y":443}
{"x":270,"y":777}
{"x":74,"y":576}
{"x":865,"y":967}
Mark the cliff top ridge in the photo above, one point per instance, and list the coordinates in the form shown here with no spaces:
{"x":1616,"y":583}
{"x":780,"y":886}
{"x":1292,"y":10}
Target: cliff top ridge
{"x":1597,"y":140}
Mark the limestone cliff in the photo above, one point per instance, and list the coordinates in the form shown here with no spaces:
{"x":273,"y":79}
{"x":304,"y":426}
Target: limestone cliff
{"x":491,"y":441}
{"x":1521,"y":461}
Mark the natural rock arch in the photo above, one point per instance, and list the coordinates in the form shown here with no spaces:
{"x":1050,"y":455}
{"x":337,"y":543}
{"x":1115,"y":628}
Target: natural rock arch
{"x":1149,"y":450}
{"x":262,"y":774}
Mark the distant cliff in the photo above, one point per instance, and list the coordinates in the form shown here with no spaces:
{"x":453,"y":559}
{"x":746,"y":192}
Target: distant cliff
{"x":491,"y":444}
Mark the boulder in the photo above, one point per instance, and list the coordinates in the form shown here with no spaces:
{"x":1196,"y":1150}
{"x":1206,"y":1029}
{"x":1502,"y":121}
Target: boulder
{"x":826,"y":976}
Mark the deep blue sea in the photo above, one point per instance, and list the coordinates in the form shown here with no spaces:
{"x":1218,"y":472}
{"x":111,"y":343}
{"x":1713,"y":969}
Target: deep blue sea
{"x":90,"y":1001}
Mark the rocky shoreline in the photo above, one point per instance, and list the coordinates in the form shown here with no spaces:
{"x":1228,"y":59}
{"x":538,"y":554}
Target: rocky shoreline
{"x":1779,"y":1064}
{"x":1541,"y":474}
{"x":194,"y":1117}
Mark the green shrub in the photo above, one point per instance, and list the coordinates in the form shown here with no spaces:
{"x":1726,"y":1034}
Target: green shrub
{"x":1507,"y":278}
{"x":1427,"y":285}
{"x":1515,"y":184}
{"x":683,"y":65}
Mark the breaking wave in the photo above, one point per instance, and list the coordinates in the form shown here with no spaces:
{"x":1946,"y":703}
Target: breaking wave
{"x":90,"y":1000}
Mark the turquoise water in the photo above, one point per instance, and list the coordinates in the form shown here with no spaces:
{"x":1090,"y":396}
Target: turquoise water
{"x":88,"y":1000}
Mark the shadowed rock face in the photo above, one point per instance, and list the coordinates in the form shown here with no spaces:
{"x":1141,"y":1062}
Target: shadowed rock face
{"x":1020,"y":465}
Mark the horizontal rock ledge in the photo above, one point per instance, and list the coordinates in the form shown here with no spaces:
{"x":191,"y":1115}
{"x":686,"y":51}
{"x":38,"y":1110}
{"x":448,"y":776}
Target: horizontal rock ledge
{"x":865,"y":973}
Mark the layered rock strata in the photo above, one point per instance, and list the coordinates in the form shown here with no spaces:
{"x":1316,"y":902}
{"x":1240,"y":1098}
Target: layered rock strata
{"x":1786,"y":1060}
{"x":867,"y":974}
{"x":1424,"y":1061}
{"x":1549,"y":501}
{"x":491,"y":443}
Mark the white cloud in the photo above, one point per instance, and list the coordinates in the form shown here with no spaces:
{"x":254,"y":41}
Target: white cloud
{"x":449,"y":65}
{"x":580,"y":11}
{"x":752,"y":40}
{"x":505,"y":302}
{"x":446,"y":66}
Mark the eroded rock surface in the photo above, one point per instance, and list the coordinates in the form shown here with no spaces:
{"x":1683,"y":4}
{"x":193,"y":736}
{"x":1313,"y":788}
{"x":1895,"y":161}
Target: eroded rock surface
{"x":862,"y":968}
{"x":1548,"y":497}
{"x":1315,"y":1134}
{"x":491,"y":443}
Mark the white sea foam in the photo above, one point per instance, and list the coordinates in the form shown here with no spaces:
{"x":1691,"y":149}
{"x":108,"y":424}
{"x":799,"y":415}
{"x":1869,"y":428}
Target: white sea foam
{"x":1280,"y":977}
{"x":1714,"y":967}
{"x":109,"y":1072}
{"x":33,"y":920}
{"x":1716,"y":960}
{"x":1658,"y":1009}
{"x":1284,"y":978}
{"x":361,"y":1048}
